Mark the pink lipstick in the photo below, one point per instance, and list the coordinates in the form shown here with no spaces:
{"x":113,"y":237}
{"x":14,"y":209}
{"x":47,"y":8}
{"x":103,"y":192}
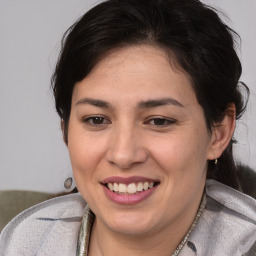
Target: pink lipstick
{"x":129,"y":190}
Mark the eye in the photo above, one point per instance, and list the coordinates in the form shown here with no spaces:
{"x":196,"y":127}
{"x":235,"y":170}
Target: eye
{"x":96,"y":121}
{"x":160,"y":121}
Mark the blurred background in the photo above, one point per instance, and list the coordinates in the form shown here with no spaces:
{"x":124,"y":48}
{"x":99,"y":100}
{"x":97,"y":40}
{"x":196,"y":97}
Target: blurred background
{"x":32,"y":153}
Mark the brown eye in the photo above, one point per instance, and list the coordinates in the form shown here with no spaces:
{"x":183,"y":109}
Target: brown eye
{"x":161,"y":122}
{"x":96,"y":120}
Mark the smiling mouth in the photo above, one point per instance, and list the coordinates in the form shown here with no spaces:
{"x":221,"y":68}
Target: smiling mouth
{"x":130,"y":189}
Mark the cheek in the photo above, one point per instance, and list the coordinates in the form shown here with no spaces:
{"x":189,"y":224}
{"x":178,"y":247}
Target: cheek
{"x":85,"y":152}
{"x":182,"y":153}
{"x":85,"y":158}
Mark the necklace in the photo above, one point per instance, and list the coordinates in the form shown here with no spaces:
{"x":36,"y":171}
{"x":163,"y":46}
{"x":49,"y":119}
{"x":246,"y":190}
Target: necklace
{"x":185,"y":239}
{"x":88,"y":218}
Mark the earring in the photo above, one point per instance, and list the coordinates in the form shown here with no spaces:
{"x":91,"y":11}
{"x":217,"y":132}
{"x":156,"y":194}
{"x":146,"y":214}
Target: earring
{"x":68,"y":183}
{"x":216,"y":161}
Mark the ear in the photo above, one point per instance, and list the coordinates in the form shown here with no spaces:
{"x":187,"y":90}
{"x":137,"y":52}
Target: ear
{"x":222,"y":133}
{"x":62,"y":125}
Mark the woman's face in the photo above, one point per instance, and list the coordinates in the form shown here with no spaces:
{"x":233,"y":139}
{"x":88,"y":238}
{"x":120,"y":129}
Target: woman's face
{"x":135,"y":123}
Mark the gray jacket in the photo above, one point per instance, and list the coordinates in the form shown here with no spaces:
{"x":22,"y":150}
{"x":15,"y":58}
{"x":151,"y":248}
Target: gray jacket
{"x":227,"y":226}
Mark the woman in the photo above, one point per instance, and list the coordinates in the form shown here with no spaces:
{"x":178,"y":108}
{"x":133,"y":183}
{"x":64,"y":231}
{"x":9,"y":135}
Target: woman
{"x":148,"y":94}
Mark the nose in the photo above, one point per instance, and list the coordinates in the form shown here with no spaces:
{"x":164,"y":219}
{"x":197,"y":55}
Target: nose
{"x":126,"y":149}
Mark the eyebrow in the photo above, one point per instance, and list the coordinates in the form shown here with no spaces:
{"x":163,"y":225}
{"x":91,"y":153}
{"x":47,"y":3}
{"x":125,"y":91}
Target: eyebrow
{"x":94,"y":102}
{"x":141,"y":105}
{"x":159,"y":102}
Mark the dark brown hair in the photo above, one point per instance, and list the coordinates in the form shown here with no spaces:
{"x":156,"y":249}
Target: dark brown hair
{"x":193,"y":34}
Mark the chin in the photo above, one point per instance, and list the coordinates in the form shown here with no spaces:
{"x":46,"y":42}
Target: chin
{"x":134,"y":224}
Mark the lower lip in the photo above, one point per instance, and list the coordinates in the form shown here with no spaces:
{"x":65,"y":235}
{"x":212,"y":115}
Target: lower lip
{"x":128,"y":199}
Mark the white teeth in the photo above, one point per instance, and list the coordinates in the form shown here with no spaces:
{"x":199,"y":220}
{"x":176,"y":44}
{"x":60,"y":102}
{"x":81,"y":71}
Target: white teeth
{"x":131,"y":188}
{"x":140,"y":186}
{"x":122,"y":188}
{"x":145,"y":185}
{"x":116,"y":187}
{"x":110,"y":186}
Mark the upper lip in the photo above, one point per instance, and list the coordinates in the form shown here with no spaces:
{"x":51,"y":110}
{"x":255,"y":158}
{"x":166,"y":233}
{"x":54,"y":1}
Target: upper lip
{"x":127,"y":180}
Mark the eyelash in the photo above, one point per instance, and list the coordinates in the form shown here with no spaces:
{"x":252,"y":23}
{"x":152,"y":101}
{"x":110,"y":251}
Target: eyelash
{"x":159,"y":122}
{"x":164,"y":122}
{"x":89,"y":121}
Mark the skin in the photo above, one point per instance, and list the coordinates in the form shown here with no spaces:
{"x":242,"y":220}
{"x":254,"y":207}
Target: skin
{"x":128,"y":141}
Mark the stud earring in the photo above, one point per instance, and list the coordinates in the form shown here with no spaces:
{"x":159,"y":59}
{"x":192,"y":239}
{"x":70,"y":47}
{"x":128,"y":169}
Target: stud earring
{"x":216,"y":161}
{"x":68,"y":183}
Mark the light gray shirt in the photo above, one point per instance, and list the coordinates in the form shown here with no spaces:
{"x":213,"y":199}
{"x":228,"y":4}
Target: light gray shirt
{"x":227,"y":226}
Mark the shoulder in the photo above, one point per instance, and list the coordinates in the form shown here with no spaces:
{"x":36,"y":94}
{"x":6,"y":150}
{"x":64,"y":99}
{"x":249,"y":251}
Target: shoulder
{"x":228,"y":222}
{"x":57,"y":219}
{"x":231,"y":199}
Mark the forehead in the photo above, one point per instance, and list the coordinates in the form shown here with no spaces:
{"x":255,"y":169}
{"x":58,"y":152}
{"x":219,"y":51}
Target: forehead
{"x":135,"y":72}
